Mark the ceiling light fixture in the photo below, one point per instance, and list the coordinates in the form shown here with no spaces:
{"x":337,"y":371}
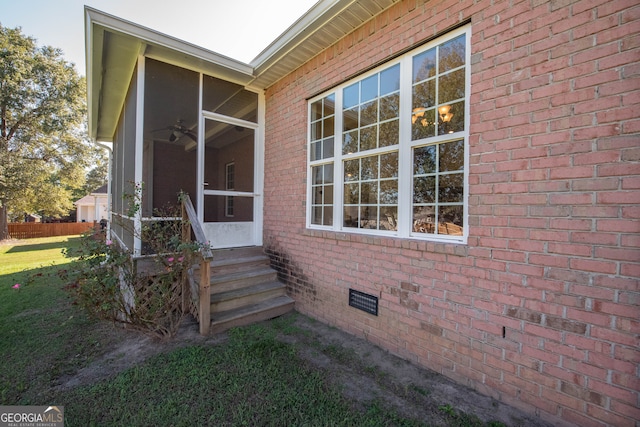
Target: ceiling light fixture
{"x":445,"y":113}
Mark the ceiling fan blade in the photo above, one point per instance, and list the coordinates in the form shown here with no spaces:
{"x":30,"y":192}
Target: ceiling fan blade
{"x":161,"y":129}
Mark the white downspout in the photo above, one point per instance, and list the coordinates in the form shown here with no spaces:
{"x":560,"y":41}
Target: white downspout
{"x":109,"y":164}
{"x":139,"y":149}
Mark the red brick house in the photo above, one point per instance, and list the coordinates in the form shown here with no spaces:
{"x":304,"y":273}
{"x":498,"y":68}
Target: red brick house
{"x":456,"y":182}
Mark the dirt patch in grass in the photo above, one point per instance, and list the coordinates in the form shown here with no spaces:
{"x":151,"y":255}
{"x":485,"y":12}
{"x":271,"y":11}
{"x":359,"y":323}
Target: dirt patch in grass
{"x":10,"y":242}
{"x":129,"y":348}
{"x":367,"y":375}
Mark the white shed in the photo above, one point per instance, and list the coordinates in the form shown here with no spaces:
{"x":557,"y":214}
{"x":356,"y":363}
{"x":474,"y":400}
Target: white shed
{"x":92,"y":207}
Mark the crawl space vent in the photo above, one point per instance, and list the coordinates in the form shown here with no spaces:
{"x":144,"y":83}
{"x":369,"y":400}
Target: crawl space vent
{"x":364,"y":302}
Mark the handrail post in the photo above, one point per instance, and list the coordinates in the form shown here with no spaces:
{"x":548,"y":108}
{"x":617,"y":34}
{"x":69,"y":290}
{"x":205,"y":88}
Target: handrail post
{"x":186,"y":228}
{"x":204,"y":295}
{"x":186,"y":237}
{"x":204,"y":310}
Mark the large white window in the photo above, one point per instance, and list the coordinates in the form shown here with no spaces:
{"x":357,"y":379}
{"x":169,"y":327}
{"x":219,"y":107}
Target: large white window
{"x":388,"y":151}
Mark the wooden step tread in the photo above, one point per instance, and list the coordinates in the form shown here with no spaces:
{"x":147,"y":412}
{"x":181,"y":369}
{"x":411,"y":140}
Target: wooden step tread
{"x":216,"y":263}
{"x":234,"y":253}
{"x":249,"y":290}
{"x":236,"y":262}
{"x":246,"y":315}
{"x":244,"y":274}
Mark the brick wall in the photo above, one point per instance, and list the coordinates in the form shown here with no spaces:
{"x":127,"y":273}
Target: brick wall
{"x":540,"y":308}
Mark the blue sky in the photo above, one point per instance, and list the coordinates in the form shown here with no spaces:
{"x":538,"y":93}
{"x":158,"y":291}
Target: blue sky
{"x":240,"y":29}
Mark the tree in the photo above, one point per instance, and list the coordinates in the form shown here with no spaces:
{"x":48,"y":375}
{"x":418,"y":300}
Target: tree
{"x":95,"y":177}
{"x":43,"y":148}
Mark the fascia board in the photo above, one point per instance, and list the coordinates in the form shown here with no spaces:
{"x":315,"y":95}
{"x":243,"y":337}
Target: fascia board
{"x":93,"y":62}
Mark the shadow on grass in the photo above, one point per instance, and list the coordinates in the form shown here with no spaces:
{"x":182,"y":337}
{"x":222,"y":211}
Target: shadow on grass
{"x":42,"y":334}
{"x":42,"y":246}
{"x":32,"y":340}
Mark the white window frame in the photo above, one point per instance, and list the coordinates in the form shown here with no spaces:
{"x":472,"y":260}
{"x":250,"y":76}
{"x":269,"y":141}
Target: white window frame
{"x":229,"y":186}
{"x":405,"y":150}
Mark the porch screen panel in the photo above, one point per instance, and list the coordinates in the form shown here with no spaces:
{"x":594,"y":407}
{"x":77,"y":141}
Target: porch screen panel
{"x":116,"y":183}
{"x":216,"y":208}
{"x":229,"y":99}
{"x":129,"y":153}
{"x":171,"y":122}
{"x":122,"y":184}
{"x":173,"y":172}
{"x":127,"y":235}
{"x":228,"y":145}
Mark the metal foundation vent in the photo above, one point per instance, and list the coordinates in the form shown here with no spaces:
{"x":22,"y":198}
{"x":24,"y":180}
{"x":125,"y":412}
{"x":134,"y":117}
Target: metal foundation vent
{"x":364,"y":302}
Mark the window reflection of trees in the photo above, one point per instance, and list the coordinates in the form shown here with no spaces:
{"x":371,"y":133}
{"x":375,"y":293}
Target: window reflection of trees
{"x":322,"y":147}
{"x":368,"y":138}
{"x":451,"y":156}
{"x":322,"y":195}
{"x":449,"y":84}
{"x":371,"y":192}
{"x":450,"y":188}
{"x":438,"y":186}
{"x":389,"y":107}
{"x":370,"y":112}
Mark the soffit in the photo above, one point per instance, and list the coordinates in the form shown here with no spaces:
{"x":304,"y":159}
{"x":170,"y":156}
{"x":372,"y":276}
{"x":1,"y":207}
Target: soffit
{"x":326,"y":23}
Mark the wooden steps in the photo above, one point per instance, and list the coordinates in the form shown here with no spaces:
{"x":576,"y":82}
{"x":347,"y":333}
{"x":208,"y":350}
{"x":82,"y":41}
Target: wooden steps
{"x":244,"y":289}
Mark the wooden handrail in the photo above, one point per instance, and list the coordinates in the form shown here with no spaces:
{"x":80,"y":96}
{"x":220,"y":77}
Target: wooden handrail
{"x":196,"y":227}
{"x":204,"y":296}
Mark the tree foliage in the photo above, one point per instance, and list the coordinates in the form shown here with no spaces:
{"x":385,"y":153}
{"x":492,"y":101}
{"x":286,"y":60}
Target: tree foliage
{"x":43,"y":147}
{"x":97,"y":176}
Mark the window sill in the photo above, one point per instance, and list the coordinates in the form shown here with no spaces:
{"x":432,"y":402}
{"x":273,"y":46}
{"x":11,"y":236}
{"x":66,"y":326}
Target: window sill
{"x":447,"y":248}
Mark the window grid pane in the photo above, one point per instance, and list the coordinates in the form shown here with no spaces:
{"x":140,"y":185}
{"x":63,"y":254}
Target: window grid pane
{"x":230,"y":185}
{"x":370,"y":112}
{"x":438,"y":91}
{"x":371,"y":192}
{"x":229,"y":206}
{"x":231,"y":176}
{"x":322,"y":128}
{"x":438,"y":189}
{"x":322,"y":195}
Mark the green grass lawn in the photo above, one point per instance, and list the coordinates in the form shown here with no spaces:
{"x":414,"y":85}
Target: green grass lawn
{"x":39,"y":339}
{"x":252,"y":378}
{"x":24,"y":256}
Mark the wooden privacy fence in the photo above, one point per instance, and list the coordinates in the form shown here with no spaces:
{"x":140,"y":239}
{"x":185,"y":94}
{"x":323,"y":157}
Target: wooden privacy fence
{"x":30,"y":230}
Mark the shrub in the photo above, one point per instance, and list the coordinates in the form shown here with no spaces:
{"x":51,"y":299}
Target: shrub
{"x":149,"y":293}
